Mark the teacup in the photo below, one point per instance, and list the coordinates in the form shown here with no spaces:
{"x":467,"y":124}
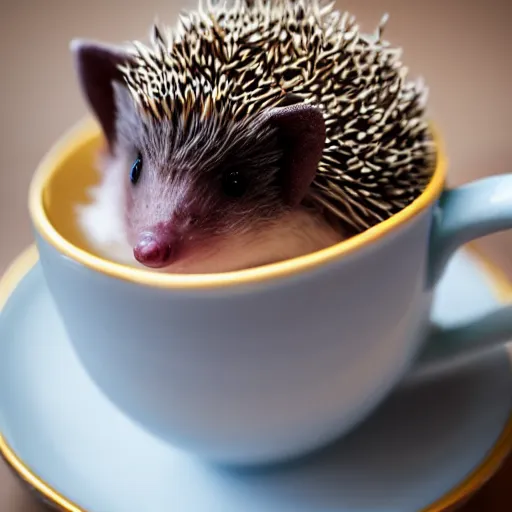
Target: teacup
{"x":264,"y":364}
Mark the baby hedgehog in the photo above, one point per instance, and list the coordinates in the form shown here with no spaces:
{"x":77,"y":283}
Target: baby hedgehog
{"x":252,"y":132}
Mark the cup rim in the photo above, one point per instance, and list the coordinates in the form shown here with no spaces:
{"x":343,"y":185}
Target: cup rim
{"x":88,"y":129}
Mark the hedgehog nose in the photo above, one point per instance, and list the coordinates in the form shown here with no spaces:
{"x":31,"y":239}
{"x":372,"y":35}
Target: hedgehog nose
{"x":152,"y":252}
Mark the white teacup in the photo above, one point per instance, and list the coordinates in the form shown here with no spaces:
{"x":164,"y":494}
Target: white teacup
{"x":264,"y":364}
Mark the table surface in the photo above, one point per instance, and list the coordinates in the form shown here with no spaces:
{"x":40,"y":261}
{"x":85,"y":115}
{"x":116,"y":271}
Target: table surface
{"x":470,"y":101}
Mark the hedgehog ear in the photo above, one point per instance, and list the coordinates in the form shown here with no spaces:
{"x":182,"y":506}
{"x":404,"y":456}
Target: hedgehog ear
{"x":97,"y":69}
{"x":301,"y":129}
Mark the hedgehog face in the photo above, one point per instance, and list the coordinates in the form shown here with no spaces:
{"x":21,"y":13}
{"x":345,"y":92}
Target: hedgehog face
{"x":234,"y":120}
{"x":188,"y":186}
{"x":209,"y":191}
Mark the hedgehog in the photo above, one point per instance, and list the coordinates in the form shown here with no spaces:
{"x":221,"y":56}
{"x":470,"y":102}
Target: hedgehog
{"x":249,"y":133}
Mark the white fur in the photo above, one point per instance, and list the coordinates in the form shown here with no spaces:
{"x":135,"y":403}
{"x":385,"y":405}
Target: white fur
{"x":102,"y":222}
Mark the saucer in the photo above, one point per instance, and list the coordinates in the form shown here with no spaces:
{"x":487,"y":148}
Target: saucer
{"x":430,"y":445}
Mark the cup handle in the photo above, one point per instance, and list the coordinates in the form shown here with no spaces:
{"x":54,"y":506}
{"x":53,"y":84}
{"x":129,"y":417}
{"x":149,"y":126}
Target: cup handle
{"x":466,"y":213}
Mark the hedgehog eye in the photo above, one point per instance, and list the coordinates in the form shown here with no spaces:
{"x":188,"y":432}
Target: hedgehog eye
{"x":234,"y":184}
{"x":136,"y":169}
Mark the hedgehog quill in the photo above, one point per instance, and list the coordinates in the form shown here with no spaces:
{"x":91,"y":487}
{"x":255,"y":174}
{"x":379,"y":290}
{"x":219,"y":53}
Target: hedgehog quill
{"x":251,"y":132}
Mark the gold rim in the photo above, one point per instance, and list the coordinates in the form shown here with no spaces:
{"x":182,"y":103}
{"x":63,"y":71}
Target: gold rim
{"x":87,"y":131}
{"x":11,"y":278}
{"x":488,"y":467}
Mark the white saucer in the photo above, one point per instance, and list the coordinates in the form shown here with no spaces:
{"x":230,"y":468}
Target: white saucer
{"x":430,"y":445}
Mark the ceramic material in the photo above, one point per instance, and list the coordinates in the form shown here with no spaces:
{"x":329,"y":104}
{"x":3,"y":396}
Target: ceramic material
{"x":435,"y":440}
{"x":263,"y":364}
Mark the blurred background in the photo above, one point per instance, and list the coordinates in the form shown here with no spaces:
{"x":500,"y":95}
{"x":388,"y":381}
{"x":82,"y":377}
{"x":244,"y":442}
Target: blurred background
{"x":462,"y":48}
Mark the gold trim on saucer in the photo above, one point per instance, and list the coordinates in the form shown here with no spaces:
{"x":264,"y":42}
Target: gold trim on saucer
{"x":16,"y":271}
{"x":488,"y":467}
{"x":500,"y":280}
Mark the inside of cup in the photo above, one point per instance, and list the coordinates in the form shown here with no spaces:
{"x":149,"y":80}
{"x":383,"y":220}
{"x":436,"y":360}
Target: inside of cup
{"x":66,"y":176}
{"x":72,"y":176}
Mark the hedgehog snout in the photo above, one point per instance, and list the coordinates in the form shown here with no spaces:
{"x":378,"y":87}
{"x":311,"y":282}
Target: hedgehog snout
{"x":154,"y":250}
